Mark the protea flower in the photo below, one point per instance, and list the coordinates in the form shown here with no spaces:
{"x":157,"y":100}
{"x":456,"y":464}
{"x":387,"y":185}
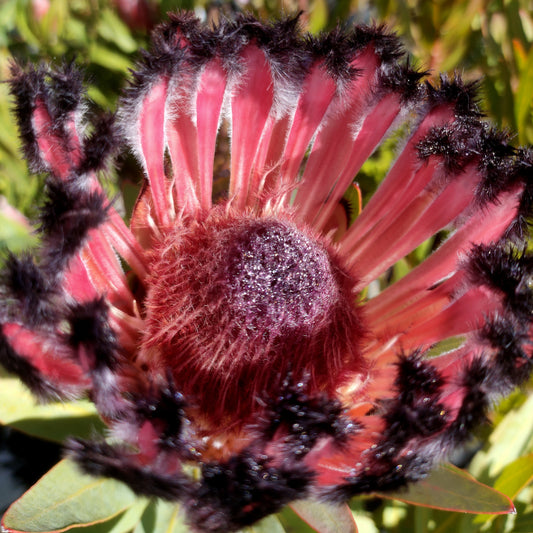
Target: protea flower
{"x":244,"y":332}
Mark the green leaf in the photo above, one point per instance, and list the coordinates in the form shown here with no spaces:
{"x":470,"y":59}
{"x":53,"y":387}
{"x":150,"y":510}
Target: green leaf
{"x":53,"y":421}
{"x":123,"y":523}
{"x":165,"y":517}
{"x":511,"y":438}
{"x":14,"y":235}
{"x":162,"y":517}
{"x":524,"y":94}
{"x":451,"y":489}
{"x":108,"y":59}
{"x":270,"y":524}
{"x":318,"y":16}
{"x":524,"y":519}
{"x":515,"y":476}
{"x":325,"y":518}
{"x":112,"y":29}
{"x":65,"y":498}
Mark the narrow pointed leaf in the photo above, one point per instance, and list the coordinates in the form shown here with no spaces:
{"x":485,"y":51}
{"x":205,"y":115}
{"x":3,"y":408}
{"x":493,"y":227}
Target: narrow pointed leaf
{"x":65,"y":498}
{"x":451,"y":489}
{"x":325,"y":518}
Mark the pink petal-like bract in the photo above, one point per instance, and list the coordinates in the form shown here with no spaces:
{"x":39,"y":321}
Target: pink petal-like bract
{"x":241,"y":324}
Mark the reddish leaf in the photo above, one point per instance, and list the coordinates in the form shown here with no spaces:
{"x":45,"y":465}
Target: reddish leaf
{"x":325,"y":518}
{"x":451,"y":489}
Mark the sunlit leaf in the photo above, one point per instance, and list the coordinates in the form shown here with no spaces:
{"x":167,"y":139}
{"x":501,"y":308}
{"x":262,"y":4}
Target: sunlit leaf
{"x":52,"y":421}
{"x":524,"y":95}
{"x":318,"y":16}
{"x":108,"y":59}
{"x":326,"y":518}
{"x":162,"y":517}
{"x":123,"y":523}
{"x":65,"y":498}
{"x":14,"y":235}
{"x":508,"y":441}
{"x":515,"y":476}
{"x":451,"y":489}
{"x":270,"y":524}
{"x":112,"y":29}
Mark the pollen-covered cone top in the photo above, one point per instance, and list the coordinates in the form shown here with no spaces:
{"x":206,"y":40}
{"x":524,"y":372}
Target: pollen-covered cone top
{"x":230,"y":326}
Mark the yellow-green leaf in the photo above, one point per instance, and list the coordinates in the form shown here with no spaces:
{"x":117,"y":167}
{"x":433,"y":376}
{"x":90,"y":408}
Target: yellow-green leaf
{"x":325,"y":518}
{"x":515,"y":476}
{"x":123,"y":523}
{"x":162,"y":517}
{"x":65,"y":498}
{"x":270,"y":524}
{"x":53,"y":421}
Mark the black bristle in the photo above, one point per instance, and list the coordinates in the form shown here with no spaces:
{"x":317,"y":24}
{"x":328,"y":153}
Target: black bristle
{"x":403,"y":421}
{"x":523,"y":170}
{"x":336,"y":51}
{"x":164,"y":407}
{"x":30,"y":290}
{"x":236,"y":494}
{"x":417,"y":378}
{"x":405,"y":80}
{"x":26,"y":84}
{"x":101,"y":146}
{"x":201,"y":42}
{"x":60,"y":92}
{"x":394,"y":476}
{"x":455,"y":143}
{"x":304,"y":419}
{"x":461,"y":96}
{"x":509,"y":338}
{"x":386,"y":44}
{"x":416,"y":413}
{"x":68,"y":214}
{"x":102,"y":459}
{"x":165,"y":59}
{"x":338,"y":48}
{"x":496,"y":164}
{"x":27,"y":372}
{"x":417,"y":410}
{"x":89,"y":327}
{"x":280,"y":40}
{"x":289,"y":58}
{"x":478,"y":379}
{"x":507,"y":271}
{"x":66,"y":91}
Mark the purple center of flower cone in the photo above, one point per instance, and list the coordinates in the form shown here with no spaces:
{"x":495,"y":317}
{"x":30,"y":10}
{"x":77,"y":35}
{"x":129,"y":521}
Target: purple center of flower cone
{"x":278,"y":281}
{"x":237,"y":302}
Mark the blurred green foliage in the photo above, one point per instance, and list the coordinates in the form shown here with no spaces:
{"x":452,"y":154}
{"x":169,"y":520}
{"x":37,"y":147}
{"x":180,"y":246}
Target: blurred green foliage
{"x":489,"y":40}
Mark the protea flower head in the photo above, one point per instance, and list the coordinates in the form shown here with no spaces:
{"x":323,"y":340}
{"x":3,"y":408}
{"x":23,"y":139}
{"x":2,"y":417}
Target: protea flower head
{"x":241,"y":330}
